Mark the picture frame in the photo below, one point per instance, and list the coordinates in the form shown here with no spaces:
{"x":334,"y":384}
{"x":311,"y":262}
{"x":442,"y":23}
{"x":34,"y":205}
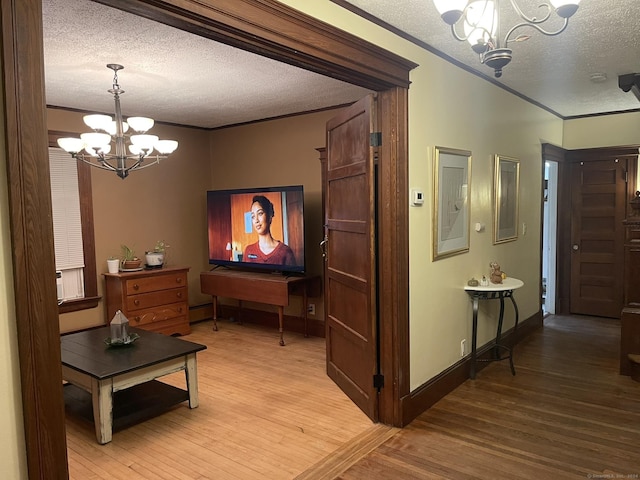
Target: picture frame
{"x":451,"y":189}
{"x":506,"y":194}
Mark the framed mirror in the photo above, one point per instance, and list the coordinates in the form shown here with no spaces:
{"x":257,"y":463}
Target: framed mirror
{"x":506,"y":186}
{"x":452,"y":180}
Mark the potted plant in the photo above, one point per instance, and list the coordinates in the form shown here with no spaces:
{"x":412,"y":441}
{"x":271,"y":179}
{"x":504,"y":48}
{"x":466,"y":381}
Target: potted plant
{"x":155,"y":258}
{"x":129,"y":259}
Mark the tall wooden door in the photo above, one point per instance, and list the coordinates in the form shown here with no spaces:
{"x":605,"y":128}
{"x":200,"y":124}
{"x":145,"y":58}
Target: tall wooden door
{"x":350,"y":282}
{"x":598,"y":194}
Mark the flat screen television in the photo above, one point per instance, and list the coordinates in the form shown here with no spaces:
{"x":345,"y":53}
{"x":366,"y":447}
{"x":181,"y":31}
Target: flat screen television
{"x":257,"y":228}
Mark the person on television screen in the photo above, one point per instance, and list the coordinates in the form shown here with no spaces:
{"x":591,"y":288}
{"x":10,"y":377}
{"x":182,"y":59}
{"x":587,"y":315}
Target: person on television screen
{"x":267,"y":249}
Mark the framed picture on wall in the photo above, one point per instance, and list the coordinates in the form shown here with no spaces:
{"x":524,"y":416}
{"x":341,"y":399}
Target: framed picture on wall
{"x":451,"y":187}
{"x":506,"y":186}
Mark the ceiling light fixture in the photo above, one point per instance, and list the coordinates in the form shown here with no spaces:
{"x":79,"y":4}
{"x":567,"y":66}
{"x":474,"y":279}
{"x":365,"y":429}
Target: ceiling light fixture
{"x":480,"y":24}
{"x":94,"y":148}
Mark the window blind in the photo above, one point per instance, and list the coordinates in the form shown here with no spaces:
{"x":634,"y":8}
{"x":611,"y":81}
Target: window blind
{"x":65,"y":196}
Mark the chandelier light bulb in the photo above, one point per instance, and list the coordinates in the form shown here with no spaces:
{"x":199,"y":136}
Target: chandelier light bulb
{"x":97,"y":121}
{"x":112,"y":128}
{"x":450,"y":10}
{"x":96,"y":140}
{"x":140,"y":124}
{"x":136,"y":150}
{"x":145,"y":142}
{"x":481,"y":24}
{"x":97,"y":145}
{"x":70,"y":144}
{"x":166,"y":147}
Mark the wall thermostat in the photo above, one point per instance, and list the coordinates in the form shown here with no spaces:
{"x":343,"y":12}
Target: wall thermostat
{"x":417,"y":197}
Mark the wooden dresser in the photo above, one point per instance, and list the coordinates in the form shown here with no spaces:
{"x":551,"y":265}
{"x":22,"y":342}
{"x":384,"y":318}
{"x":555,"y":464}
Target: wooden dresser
{"x":155,"y":300}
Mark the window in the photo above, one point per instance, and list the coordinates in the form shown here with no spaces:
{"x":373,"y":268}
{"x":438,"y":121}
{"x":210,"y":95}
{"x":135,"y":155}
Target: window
{"x":73,"y":229}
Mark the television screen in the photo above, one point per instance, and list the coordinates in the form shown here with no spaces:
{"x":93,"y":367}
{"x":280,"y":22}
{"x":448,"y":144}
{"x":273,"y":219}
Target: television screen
{"x":257,"y":228}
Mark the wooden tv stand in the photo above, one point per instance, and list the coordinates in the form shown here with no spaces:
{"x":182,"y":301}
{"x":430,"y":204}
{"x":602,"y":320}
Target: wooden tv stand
{"x":259,"y":287}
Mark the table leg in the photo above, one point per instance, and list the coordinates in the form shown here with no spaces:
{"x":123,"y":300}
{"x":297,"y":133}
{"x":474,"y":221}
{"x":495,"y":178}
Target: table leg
{"x":102,"y":400}
{"x":515,"y":308}
{"x":215,"y":313}
{"x":499,"y":330}
{"x":474,"y":337}
{"x":281,"y":324}
{"x":191,"y":374}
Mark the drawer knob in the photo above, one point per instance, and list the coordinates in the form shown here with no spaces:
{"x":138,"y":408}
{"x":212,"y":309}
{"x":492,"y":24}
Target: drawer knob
{"x":179,"y":294}
{"x":179,"y":280}
{"x":136,"y":302}
{"x":137,"y":319}
{"x":136,"y":286}
{"x":180,"y":309}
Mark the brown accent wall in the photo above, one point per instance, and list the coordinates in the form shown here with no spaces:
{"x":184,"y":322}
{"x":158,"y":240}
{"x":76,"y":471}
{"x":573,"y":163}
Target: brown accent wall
{"x":168,"y":201}
{"x":274,"y":153}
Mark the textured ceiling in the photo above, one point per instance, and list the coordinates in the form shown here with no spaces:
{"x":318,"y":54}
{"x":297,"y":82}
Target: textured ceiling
{"x":170,"y":75}
{"x":181,"y":78}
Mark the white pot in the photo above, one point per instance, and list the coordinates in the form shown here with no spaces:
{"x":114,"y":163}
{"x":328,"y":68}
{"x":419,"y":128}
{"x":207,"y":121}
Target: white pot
{"x":113,"y":265}
{"x":154,"y":259}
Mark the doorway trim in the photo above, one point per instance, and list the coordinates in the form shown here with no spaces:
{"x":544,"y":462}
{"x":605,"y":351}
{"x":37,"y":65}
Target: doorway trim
{"x":265,"y":27}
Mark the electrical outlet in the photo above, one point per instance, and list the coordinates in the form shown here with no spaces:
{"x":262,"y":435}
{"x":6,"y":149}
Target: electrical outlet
{"x":463,"y":347}
{"x":311,"y":309}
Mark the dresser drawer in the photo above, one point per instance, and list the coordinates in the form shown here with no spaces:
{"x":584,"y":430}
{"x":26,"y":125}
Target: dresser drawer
{"x":158,"y":314}
{"x":152,"y":299}
{"x":154,"y":283}
{"x":170,"y":326}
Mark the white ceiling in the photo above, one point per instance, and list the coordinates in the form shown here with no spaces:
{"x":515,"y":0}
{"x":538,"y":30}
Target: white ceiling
{"x":181,"y":78}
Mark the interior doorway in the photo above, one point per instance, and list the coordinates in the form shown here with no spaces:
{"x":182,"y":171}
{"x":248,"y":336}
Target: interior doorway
{"x":549,"y":236}
{"x":321,"y":48}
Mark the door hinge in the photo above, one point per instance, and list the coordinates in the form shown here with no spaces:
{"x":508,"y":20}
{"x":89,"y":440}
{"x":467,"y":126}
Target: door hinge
{"x":378,"y":381}
{"x":375,"y":139}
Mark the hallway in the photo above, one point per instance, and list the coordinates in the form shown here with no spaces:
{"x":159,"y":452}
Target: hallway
{"x":567,"y":414}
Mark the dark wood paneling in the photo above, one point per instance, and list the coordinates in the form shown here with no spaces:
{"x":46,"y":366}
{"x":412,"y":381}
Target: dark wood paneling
{"x":274,"y":30}
{"x":393,"y":253}
{"x":31,"y":226}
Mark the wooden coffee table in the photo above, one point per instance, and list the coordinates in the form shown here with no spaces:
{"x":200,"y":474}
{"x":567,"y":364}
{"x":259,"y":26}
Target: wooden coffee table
{"x":116,"y":386}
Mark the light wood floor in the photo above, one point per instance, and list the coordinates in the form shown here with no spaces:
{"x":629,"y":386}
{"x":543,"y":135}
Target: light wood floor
{"x":268,"y":412}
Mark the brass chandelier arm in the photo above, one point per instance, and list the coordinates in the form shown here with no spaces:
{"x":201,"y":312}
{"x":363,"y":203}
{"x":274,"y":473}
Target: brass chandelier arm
{"x":122,"y":172}
{"x":533,"y":20}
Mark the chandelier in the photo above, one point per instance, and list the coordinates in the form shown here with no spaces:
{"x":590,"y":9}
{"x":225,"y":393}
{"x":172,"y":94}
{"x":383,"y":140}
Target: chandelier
{"x":131,"y":152}
{"x":478,"y":22}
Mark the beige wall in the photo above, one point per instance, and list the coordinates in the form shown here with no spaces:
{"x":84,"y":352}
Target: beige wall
{"x":605,"y":131}
{"x":166,"y":201}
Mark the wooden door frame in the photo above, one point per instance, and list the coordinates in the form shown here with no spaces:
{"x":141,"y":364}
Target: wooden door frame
{"x":563,"y":238}
{"x":265,"y":27}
